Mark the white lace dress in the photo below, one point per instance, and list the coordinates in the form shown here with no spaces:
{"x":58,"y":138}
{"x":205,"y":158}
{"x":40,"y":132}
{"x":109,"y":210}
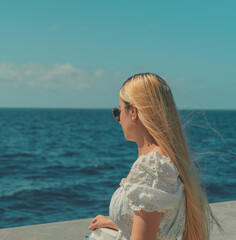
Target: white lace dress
{"x":152,"y":185}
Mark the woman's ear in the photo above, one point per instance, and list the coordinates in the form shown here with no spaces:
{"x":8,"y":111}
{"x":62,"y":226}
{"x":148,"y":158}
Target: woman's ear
{"x":134,"y":112}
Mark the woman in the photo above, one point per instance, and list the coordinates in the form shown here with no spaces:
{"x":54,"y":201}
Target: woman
{"x":161,"y":197}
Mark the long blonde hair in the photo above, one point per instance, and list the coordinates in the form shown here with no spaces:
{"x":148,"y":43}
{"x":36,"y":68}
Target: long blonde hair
{"x":157,"y":111}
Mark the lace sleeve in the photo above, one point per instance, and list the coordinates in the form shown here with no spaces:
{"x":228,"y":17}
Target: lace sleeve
{"x":153,"y":184}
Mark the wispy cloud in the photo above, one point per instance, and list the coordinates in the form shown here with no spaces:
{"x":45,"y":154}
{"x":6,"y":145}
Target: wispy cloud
{"x":57,"y":76}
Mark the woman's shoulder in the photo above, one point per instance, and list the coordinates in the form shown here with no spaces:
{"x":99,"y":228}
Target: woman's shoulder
{"x":154,"y":156}
{"x":153,"y":182}
{"x":154,"y":164}
{"x":155,"y":161}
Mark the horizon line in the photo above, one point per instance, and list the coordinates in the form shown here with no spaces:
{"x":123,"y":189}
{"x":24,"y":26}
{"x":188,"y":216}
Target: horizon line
{"x":104,"y":108}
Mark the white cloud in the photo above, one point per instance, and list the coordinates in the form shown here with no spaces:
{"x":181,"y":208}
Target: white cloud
{"x":57,"y":76}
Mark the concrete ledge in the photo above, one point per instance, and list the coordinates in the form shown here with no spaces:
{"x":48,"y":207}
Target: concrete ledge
{"x":225,"y":212}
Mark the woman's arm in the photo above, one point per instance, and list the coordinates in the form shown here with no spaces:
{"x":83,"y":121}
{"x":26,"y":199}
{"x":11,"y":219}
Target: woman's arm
{"x":112,"y":225}
{"x":145,"y":225}
{"x":101,"y":221}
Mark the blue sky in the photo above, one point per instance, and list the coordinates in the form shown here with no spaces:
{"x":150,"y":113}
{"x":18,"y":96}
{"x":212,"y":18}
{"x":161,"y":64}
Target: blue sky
{"x":77,"y":54}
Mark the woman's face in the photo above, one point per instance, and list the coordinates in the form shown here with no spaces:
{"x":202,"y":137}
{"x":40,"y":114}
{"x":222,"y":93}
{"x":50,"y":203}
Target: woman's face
{"x":126,"y":122}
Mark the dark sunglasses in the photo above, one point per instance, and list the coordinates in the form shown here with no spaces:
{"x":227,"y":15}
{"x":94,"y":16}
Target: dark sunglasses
{"x":116,"y":111}
{"x":116,"y":114}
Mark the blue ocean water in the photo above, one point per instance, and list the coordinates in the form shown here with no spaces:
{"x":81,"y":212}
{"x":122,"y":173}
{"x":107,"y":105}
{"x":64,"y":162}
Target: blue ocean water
{"x":65,"y":164}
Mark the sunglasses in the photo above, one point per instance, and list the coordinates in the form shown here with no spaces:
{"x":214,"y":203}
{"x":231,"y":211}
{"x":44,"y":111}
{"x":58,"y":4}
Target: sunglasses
{"x":116,"y":111}
{"x":116,"y":114}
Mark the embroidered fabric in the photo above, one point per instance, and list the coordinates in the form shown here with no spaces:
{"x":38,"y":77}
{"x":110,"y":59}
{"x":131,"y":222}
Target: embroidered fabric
{"x":103,"y":234}
{"x":152,"y":185}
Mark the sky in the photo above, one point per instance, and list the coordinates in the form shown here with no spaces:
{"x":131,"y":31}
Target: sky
{"x":77,"y":54}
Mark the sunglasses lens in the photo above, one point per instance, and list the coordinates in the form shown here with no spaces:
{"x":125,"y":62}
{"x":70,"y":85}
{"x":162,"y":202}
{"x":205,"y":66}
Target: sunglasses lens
{"x":116,"y":114}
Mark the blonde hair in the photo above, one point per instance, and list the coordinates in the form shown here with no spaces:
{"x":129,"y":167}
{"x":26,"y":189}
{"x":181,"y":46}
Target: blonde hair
{"x":153,"y":99}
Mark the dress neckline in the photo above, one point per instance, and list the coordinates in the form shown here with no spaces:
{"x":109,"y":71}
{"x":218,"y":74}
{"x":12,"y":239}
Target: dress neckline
{"x":153,"y":153}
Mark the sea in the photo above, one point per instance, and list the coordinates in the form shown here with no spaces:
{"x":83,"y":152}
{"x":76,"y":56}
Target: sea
{"x":65,"y":164}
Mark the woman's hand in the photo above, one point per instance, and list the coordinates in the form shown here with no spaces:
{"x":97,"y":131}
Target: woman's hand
{"x":100,"y":221}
